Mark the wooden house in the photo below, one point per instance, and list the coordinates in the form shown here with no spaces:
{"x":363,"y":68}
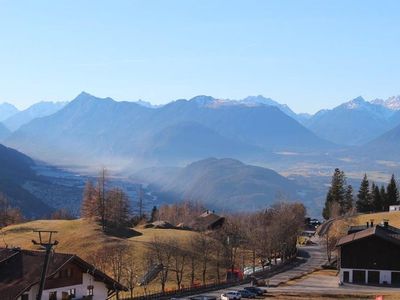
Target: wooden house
{"x":370,"y":255}
{"x":68,"y":277}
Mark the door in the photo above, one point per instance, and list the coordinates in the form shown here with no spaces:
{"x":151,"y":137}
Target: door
{"x":359,"y":276}
{"x":346,"y":276}
{"x":373,"y":277}
{"x":396,"y":278}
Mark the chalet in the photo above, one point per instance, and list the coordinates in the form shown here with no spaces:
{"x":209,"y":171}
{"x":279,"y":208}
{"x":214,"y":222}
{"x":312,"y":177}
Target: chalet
{"x":370,"y":255}
{"x":207,"y":221}
{"x":68,"y":277}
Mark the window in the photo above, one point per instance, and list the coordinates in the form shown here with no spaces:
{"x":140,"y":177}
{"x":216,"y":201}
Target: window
{"x":90,"y":290}
{"x":72,"y":292}
{"x":53,"y":296}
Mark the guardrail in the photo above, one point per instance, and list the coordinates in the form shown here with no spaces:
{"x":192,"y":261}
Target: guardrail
{"x":184,"y":292}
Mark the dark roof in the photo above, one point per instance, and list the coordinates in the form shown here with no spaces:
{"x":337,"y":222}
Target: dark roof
{"x":388,"y":233}
{"x":206,"y":221}
{"x":387,"y":227}
{"x":21,"y":269}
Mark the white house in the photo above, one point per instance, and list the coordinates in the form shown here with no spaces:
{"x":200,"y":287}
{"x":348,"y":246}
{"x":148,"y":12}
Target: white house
{"x":68,"y":277}
{"x":394,"y":208}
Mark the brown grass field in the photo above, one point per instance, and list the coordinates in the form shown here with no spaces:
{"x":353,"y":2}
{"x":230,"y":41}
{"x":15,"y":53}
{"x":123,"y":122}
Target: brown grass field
{"x":84,"y":238}
{"x":393,"y":217}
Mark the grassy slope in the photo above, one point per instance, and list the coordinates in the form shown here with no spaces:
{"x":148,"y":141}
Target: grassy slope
{"x":393,"y":217}
{"x":85,"y":238}
{"x":82,"y":237}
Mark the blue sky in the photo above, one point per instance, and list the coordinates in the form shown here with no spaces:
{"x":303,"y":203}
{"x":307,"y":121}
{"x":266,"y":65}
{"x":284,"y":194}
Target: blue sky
{"x":307,"y":54}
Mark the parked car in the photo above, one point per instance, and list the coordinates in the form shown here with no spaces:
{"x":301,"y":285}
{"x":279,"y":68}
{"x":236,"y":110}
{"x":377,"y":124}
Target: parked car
{"x":247,"y":294}
{"x":231,"y":295}
{"x":255,"y":290}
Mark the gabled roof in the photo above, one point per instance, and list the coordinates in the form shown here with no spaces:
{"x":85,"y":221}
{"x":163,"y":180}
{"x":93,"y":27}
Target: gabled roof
{"x":21,"y":269}
{"x":380,"y":231}
{"x":206,"y":221}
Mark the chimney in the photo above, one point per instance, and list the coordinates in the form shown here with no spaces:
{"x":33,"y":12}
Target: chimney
{"x":372,"y":222}
{"x":385,"y":223}
{"x":367,"y":224}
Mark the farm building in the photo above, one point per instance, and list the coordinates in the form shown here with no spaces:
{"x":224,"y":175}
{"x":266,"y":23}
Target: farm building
{"x":369,"y":255}
{"x":207,"y":221}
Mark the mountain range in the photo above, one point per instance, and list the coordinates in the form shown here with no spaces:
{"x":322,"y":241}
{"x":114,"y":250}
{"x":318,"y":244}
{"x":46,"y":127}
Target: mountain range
{"x":92,"y":131}
{"x":181,"y":131}
{"x":37,"y":110}
{"x":353,"y":123}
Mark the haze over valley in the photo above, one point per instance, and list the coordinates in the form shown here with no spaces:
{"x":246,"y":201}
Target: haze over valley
{"x":248,"y":152}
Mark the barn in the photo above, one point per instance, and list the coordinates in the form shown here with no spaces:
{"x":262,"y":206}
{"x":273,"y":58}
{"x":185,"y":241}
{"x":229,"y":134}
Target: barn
{"x":370,"y":255}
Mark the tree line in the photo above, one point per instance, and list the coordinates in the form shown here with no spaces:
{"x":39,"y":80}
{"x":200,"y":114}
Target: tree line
{"x":107,"y":205}
{"x":370,"y":197}
{"x":255,"y":239}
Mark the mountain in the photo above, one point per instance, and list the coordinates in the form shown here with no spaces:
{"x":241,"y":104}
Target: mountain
{"x":4,"y":132}
{"x":224,"y":184}
{"x":260,"y":100}
{"x":17,"y":169}
{"x":352,"y":123}
{"x":90,"y":128}
{"x":192,"y":140}
{"x":7,"y":110}
{"x":37,"y":110}
{"x":384,"y":147}
{"x":392,"y":103}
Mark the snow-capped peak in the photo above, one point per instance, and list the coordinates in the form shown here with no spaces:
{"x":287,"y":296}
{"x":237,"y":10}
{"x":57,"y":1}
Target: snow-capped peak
{"x":392,"y":103}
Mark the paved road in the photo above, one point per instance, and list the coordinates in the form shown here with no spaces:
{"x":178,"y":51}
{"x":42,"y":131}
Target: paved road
{"x":319,"y":283}
{"x":311,"y":258}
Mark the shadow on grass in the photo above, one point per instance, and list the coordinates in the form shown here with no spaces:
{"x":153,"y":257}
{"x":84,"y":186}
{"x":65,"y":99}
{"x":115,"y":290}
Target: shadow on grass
{"x":123,"y":233}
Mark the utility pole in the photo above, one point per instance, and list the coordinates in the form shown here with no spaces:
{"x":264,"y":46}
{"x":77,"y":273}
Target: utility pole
{"x":48,"y":246}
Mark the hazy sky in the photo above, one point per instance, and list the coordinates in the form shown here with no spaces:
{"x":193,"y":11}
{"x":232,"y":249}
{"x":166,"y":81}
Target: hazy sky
{"x":307,"y":54}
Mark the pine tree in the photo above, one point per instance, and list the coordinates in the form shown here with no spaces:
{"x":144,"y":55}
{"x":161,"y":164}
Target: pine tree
{"x":326,"y":212}
{"x":154,"y":214}
{"x":336,"y":195}
{"x":377,"y":201}
{"x":363,"y":202}
{"x":348,"y":199}
{"x":385,"y":206}
{"x":392,"y":193}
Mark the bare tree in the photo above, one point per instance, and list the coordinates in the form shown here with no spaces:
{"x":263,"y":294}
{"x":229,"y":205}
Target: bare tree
{"x":62,"y":214}
{"x":118,"y":210}
{"x":130,"y":271}
{"x":161,"y":252}
{"x":8,"y":215}
{"x":203,"y":246}
{"x":179,"y":256}
{"x":90,"y":202}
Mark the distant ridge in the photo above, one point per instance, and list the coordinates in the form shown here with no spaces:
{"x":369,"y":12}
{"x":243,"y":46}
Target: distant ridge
{"x":224,"y":184}
{"x":89,"y":127}
{"x":7,"y":110}
{"x":37,"y":110}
